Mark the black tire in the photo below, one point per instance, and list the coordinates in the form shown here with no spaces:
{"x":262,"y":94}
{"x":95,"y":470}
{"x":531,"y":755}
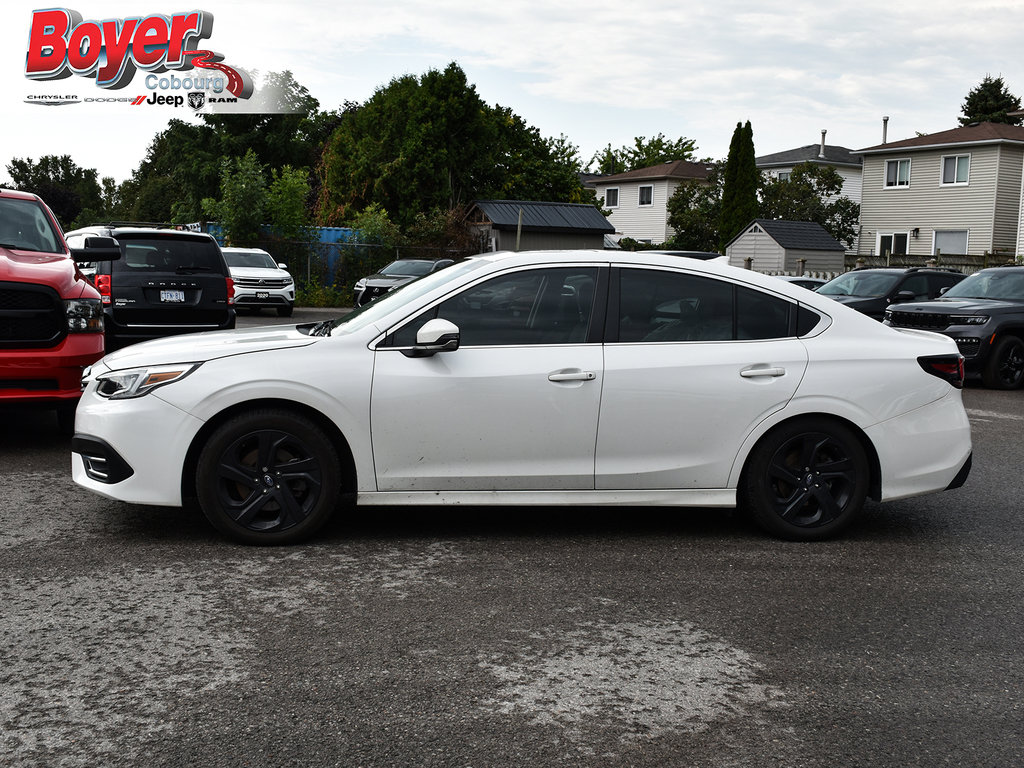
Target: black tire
{"x":268,"y":476}
{"x":285,"y":311}
{"x":806,"y":480}
{"x":1005,"y":366}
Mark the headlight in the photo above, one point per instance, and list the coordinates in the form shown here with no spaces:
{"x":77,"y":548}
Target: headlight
{"x":968,"y":319}
{"x":84,"y":315}
{"x":121,"y":385}
{"x":360,"y":284}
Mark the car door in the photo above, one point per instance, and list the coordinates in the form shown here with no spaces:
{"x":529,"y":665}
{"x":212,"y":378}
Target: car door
{"x":692,"y":365}
{"x":514,"y":408}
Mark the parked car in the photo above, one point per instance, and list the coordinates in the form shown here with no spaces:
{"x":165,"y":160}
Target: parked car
{"x":51,"y":319}
{"x":395,"y":275}
{"x":260,"y":281}
{"x":871,"y":290}
{"x":166,"y":282}
{"x":559,"y":377}
{"x":810,"y":283}
{"x":984,"y":315}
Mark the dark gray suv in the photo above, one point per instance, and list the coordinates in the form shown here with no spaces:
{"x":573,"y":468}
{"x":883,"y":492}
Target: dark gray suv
{"x":166,"y":282}
{"x":871,"y":290}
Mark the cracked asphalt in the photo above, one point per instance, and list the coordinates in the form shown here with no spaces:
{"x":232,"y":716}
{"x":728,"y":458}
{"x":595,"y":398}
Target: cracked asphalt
{"x":134,"y":635}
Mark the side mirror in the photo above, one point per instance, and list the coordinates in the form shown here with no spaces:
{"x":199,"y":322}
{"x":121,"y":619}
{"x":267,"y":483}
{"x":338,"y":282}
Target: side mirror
{"x":903,"y":296}
{"x":283,"y":266}
{"x":944,"y":288}
{"x":435,"y":336}
{"x":97,"y":249}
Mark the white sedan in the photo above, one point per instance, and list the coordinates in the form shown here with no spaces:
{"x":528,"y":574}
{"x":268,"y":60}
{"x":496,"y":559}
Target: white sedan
{"x":560,"y":377}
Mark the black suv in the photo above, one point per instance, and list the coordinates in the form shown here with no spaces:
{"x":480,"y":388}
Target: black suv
{"x":984,"y":315}
{"x":166,"y":282}
{"x":871,"y":290}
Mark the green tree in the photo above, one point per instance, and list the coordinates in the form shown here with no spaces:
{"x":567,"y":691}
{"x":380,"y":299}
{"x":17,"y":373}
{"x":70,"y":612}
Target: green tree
{"x":243,"y":200}
{"x":695,"y":210}
{"x":739,"y":187}
{"x":287,"y":212}
{"x":990,"y":101}
{"x":643,"y":154}
{"x":812,"y":193}
{"x":65,"y":187}
{"x":432,"y":143}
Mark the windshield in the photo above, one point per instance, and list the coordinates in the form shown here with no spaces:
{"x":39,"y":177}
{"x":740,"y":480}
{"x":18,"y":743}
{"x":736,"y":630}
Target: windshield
{"x":368,"y":314}
{"x":406,"y":267}
{"x":867,"y":284}
{"x":25,"y":226}
{"x":1000,"y":284}
{"x":249,"y":259}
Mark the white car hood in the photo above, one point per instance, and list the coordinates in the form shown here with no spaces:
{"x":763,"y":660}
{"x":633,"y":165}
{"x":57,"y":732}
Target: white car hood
{"x":200,"y":347}
{"x":258,"y":272}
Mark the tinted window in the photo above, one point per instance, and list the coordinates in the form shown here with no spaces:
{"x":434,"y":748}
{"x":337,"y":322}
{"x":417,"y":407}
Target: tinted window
{"x":24,"y":226}
{"x":1006,"y":284}
{"x":660,"y":306}
{"x":868,"y":284}
{"x":167,"y":254}
{"x":537,"y":306}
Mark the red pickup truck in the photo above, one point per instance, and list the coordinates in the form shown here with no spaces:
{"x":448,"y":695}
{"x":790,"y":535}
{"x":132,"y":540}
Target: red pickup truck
{"x":51,"y":319}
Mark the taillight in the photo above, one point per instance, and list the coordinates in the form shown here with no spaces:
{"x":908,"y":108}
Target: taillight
{"x":231,"y":291}
{"x":947,"y":367}
{"x":102,"y":283}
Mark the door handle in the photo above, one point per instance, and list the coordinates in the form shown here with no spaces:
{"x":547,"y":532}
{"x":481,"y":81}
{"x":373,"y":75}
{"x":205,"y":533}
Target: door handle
{"x":573,"y":376}
{"x":753,"y":373}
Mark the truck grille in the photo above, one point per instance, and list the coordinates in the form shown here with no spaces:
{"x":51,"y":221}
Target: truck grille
{"x":30,"y":316}
{"x":929,"y":321}
{"x":262,"y":282}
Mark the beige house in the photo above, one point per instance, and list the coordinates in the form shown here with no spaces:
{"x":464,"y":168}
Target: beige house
{"x":638,"y":199}
{"x":955,"y":192}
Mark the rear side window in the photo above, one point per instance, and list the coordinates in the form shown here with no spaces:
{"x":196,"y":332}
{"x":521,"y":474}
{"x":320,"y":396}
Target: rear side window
{"x":167,"y":254}
{"x":659,"y":306}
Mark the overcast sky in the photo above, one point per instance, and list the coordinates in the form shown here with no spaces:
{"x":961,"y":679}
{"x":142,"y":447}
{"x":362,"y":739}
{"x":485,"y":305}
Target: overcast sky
{"x":598,"y":71}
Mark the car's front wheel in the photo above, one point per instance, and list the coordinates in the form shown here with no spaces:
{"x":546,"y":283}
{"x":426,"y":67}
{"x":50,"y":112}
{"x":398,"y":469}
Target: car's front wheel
{"x":806,"y":480}
{"x":268,"y":476}
{"x":1005,"y":366}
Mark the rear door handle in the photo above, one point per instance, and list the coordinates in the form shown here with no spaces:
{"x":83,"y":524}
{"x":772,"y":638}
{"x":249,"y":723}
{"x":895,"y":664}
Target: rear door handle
{"x":573,"y":376}
{"x":753,"y":373}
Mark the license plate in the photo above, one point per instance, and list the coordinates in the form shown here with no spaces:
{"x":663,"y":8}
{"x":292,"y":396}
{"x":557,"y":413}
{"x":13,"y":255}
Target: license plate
{"x":262,"y":295}
{"x":172,"y":296}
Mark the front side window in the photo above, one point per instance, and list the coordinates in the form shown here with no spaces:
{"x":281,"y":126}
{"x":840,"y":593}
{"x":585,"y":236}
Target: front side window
{"x":657,"y":306}
{"x":897,"y":173}
{"x":534,"y":306}
{"x":956,"y":169}
{"x":611,"y":197}
{"x":646,"y":195}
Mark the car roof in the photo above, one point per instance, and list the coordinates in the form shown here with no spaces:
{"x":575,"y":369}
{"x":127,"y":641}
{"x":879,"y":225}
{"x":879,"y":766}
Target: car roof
{"x":18,"y":195}
{"x":114,"y":230}
{"x":233,"y":249}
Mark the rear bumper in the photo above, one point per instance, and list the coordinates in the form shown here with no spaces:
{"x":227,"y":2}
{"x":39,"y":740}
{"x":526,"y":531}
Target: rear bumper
{"x":120,"y":334}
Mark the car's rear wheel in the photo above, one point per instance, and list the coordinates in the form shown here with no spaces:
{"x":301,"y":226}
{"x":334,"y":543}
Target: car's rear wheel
{"x":806,"y":480}
{"x":268,"y":476}
{"x":1005,"y":366}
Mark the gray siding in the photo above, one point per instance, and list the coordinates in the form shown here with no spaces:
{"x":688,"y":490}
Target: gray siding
{"x":1008,"y":194}
{"x":542,"y":241}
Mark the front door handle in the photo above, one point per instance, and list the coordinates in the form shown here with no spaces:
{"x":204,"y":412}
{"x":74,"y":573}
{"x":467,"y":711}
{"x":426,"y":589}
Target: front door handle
{"x":573,"y":376}
{"x":753,"y":373}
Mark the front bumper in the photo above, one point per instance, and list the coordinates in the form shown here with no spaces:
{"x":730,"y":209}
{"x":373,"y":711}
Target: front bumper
{"x":48,"y":375}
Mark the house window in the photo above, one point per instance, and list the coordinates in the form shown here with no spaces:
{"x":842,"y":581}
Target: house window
{"x":951,"y":241}
{"x":783,"y":175}
{"x":894,"y":244}
{"x":956,"y":169}
{"x":611,"y":197}
{"x":897,"y":173}
{"x":647,"y":195}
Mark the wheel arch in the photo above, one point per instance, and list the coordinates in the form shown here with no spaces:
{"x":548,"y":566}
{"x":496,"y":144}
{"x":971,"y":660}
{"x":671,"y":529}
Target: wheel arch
{"x":341,"y":445}
{"x":875,"y":480}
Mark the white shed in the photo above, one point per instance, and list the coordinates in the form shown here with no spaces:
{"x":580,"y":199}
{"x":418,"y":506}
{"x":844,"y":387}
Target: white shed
{"x":776,"y":246}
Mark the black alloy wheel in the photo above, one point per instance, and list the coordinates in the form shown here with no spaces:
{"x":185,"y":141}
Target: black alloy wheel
{"x":806,"y":480}
{"x":268,"y":477}
{"x":1005,"y":367}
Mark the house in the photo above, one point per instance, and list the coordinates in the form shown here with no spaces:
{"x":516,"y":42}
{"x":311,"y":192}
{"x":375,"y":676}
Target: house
{"x":846,"y":162}
{"x":955,"y":192}
{"x":638,"y":199}
{"x":775,"y":246}
{"x":519,"y":225}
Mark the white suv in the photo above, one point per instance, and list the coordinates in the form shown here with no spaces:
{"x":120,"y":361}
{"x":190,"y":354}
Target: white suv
{"x":260,"y":281}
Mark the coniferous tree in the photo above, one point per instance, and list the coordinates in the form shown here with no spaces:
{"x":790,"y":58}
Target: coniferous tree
{"x":990,"y":101}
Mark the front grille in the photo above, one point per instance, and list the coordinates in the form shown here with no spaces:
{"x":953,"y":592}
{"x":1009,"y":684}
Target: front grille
{"x":30,"y":316}
{"x":31,"y":385}
{"x":262,"y":282}
{"x":929,"y":321}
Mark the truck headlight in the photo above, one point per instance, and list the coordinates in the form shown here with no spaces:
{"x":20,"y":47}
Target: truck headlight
{"x":84,"y":315}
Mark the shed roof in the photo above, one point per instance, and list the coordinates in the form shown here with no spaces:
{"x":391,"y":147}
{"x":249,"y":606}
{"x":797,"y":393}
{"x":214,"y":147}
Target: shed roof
{"x":568,"y":218}
{"x":796,"y":235}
